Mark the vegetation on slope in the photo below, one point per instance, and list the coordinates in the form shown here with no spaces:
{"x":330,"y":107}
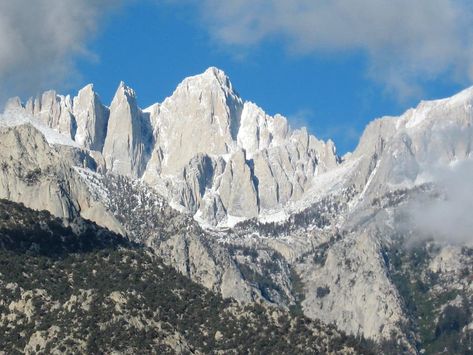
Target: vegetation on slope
{"x":439,"y":303}
{"x":78,"y":288}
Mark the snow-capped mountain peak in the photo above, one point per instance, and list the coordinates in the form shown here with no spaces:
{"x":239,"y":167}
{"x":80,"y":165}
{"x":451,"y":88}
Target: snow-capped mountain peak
{"x":191,"y":143}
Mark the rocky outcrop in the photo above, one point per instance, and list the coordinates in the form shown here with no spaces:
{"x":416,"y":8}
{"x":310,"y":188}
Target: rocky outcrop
{"x":54,"y":111}
{"x":128,"y":140}
{"x":198,"y":176}
{"x":201,"y":116}
{"x":44,"y":178}
{"x":91,"y":118}
{"x":237,"y":189}
{"x":260,"y":131}
{"x":208,"y":265}
{"x":83,"y":118}
{"x":351,"y":288}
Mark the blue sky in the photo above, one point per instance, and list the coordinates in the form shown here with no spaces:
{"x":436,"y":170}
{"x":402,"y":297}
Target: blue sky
{"x":302,"y":61}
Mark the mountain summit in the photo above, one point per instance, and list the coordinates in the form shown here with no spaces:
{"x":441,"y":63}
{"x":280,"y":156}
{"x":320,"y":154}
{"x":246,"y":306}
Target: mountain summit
{"x":219,"y":156}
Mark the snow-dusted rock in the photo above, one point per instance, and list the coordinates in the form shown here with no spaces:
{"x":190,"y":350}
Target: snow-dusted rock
{"x":165,"y":144}
{"x":54,"y":111}
{"x":259,"y":131}
{"x":396,"y":152}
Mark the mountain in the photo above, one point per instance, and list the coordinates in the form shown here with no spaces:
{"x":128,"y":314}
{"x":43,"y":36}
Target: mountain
{"x":241,"y":203}
{"x":71,"y":286}
{"x":219,"y":157}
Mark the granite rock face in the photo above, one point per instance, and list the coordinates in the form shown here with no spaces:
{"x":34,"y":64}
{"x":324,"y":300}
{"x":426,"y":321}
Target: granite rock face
{"x":259,"y":131}
{"x":91,"y":118}
{"x":352,"y":290}
{"x":396,"y":152}
{"x":237,"y":189}
{"x":54,"y":111}
{"x":128,"y":139}
{"x":201,"y":116}
{"x":44,"y":177}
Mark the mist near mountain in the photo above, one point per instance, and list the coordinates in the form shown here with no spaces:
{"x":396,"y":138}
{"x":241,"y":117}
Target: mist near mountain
{"x":449,"y":217}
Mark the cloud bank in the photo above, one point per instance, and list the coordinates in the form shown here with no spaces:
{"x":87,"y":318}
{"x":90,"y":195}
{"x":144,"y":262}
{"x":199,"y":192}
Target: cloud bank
{"x":406,"y":42}
{"x":40,"y":39}
{"x":450,"y":217}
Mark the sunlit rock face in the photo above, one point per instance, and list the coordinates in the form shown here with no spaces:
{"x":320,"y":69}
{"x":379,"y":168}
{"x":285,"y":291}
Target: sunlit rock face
{"x":91,"y":118}
{"x":128,"y":139}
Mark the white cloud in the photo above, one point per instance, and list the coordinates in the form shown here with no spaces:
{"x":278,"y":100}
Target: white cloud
{"x":450,"y":217}
{"x":301,"y":118}
{"x":406,"y":41}
{"x":343,"y":133}
{"x":40,"y":39}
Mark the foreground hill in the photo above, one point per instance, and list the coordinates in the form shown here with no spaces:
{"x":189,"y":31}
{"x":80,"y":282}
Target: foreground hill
{"x":73,"y":287}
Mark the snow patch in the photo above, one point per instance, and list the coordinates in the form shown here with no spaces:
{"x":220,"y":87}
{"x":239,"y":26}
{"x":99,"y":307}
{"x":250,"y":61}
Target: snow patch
{"x":274,"y":217}
{"x":14,"y":118}
{"x":232,"y":221}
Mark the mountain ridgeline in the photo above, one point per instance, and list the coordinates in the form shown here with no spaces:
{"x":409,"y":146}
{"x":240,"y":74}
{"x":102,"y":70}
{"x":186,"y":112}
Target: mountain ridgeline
{"x":205,"y":197}
{"x":218,"y":155}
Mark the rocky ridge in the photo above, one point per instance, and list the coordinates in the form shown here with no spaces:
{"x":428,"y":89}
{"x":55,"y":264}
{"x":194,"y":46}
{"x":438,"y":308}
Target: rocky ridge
{"x":210,"y":150}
